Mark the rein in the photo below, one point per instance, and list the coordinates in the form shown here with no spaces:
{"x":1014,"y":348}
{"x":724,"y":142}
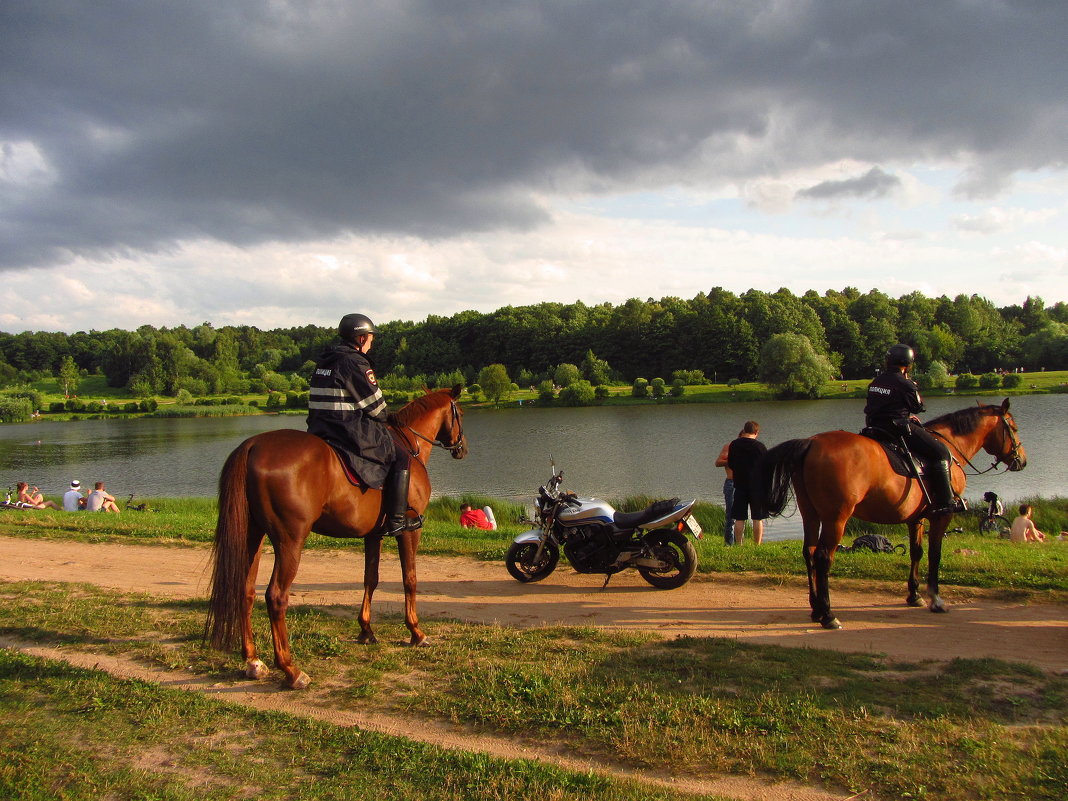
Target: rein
{"x":1014,"y":454}
{"x":454,"y":447}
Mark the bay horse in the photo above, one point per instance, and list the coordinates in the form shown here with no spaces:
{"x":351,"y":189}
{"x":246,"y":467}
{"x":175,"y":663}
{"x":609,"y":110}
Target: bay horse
{"x":837,"y":475}
{"x":285,"y":484}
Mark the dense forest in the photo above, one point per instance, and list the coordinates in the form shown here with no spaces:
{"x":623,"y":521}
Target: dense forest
{"x":718,"y":335}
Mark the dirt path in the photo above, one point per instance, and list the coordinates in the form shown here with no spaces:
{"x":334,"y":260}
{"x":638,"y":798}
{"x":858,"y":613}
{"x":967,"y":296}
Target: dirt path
{"x":720,"y":606}
{"x":726,"y":606}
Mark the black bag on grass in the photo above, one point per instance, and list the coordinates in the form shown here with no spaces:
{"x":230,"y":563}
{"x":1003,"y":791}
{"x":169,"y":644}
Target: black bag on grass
{"x":876,"y":543}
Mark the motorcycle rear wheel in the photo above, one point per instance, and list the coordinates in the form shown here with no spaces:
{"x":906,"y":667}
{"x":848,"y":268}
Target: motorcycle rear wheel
{"x":521,"y":565}
{"x":676,"y":549}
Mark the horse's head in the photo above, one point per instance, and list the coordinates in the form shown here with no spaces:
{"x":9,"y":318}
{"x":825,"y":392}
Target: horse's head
{"x":451,"y":433}
{"x":1002,"y":441}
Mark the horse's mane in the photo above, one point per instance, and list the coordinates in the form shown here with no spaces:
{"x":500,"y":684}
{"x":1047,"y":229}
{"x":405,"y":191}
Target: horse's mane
{"x":961,"y":422}
{"x":416,"y":408}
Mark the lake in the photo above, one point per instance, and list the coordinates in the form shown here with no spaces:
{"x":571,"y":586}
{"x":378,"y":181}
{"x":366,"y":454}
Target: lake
{"x":610,"y":452}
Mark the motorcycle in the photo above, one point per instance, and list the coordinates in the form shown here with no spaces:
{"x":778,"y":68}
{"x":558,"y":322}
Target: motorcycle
{"x":597,"y":539}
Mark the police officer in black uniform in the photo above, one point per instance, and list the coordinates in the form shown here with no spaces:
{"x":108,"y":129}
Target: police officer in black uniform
{"x":346,"y":408}
{"x":893,"y":401}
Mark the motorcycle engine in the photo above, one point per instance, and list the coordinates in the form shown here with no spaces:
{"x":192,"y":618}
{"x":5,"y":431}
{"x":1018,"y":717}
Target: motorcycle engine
{"x":591,"y":549}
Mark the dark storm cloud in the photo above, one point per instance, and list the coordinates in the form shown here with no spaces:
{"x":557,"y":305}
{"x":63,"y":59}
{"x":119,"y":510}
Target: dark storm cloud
{"x":875,"y":183}
{"x":134,"y":125}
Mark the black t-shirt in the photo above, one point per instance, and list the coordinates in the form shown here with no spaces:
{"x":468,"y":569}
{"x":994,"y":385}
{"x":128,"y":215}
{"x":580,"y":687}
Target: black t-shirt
{"x":742,"y":457}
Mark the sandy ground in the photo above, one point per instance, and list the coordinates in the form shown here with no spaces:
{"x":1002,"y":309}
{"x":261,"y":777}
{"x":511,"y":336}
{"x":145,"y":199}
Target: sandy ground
{"x":725,"y":606}
{"x":721,"y":606}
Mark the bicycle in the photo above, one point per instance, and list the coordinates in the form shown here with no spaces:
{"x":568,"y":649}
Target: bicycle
{"x":991,"y":520}
{"x":137,"y":507}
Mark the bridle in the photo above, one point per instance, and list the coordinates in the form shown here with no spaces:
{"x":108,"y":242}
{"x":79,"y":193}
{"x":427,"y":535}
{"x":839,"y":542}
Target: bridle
{"x":1014,"y":452}
{"x":455,"y":424}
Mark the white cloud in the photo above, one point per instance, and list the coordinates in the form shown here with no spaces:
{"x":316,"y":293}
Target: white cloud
{"x":995,"y":219}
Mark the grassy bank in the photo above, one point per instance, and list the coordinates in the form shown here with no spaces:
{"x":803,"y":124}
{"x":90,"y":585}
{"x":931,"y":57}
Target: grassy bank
{"x":95,"y":388}
{"x":979,"y":729}
{"x":969,"y":560}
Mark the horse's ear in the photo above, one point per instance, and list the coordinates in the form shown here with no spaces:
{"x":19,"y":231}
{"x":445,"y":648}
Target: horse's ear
{"x":1005,"y":406}
{"x":426,"y":390}
{"x":457,"y":391}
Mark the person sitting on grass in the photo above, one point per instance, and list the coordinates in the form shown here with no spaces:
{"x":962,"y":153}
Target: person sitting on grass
{"x":100,"y":501}
{"x":1024,"y":529}
{"x":475,"y":518}
{"x":33,"y":498}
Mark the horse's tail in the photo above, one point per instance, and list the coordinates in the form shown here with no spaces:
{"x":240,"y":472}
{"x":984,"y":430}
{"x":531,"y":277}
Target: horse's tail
{"x":230,"y":554}
{"x":775,"y":473}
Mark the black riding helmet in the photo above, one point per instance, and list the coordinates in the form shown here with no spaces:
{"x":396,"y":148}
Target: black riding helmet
{"x":354,"y":325}
{"x":900,"y":355}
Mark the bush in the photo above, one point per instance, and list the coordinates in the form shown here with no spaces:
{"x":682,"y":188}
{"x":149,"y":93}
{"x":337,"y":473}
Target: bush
{"x":149,"y":405}
{"x":275,"y":400}
{"x":640,"y":388}
{"x":600,"y":392}
{"x":733,"y":382}
{"x":678,"y":388}
{"x":989,"y":381}
{"x":578,"y":393}
{"x":15,"y":410}
{"x":658,"y":387}
{"x":60,"y":406}
{"x":546,"y":393}
{"x":966,"y":381}
{"x":1011,"y":380}
{"x":131,"y":407}
{"x":690,"y":377}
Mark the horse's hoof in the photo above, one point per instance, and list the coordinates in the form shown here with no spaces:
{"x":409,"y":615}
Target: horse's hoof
{"x":419,"y":642}
{"x":300,"y":682}
{"x":367,"y":638}
{"x":914,"y":600}
{"x":938,"y":606}
{"x":255,"y":669}
{"x":830,"y":622}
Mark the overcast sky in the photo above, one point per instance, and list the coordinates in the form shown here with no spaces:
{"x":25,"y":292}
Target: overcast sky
{"x":279,"y":163}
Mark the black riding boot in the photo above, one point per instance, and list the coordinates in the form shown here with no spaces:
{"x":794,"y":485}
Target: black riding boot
{"x":396,"y":500}
{"x":941,"y":489}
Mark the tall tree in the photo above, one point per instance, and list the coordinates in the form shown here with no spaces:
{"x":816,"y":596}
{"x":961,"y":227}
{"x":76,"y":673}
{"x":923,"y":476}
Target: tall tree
{"x":68,"y":376}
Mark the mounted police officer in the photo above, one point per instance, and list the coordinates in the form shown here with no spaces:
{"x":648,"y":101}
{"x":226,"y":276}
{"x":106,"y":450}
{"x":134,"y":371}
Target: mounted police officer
{"x":893,"y":401}
{"x":347,"y":409}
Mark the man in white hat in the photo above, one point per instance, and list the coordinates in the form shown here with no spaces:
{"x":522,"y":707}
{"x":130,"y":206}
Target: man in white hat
{"x":73,"y":500}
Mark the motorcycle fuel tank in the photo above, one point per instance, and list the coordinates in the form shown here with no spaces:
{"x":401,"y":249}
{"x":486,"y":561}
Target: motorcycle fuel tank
{"x":588,"y":510}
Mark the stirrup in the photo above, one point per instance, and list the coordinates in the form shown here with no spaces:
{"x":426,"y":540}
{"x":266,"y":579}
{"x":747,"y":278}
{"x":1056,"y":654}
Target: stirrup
{"x":391,"y":529}
{"x":956,"y":507}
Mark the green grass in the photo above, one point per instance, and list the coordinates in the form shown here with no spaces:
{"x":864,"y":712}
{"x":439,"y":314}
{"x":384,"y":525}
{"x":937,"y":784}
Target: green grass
{"x":77,"y":734}
{"x":95,"y":388}
{"x":984,"y":562}
{"x":980,"y":729}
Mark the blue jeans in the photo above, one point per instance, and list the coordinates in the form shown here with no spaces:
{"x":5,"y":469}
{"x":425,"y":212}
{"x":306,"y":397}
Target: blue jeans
{"x":728,"y":502}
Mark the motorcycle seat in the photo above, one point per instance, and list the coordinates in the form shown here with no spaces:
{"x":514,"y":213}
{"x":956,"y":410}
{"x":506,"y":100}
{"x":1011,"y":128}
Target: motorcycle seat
{"x":635,"y":519}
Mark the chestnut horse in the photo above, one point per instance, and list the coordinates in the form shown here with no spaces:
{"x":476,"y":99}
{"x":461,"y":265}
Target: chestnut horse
{"x":288,"y":483}
{"x":837,"y":475}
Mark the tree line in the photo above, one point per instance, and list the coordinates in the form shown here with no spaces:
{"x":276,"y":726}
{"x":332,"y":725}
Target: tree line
{"x":716,"y":336}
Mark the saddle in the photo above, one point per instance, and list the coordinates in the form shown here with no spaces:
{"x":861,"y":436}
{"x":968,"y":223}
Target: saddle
{"x":900,"y":459}
{"x":346,"y":464}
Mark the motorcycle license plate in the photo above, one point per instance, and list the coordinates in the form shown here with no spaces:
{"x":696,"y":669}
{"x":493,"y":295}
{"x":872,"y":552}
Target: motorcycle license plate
{"x":692,"y":526}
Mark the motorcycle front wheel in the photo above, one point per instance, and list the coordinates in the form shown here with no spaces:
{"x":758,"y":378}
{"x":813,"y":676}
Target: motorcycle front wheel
{"x":674,"y":548}
{"x":520,"y":561}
